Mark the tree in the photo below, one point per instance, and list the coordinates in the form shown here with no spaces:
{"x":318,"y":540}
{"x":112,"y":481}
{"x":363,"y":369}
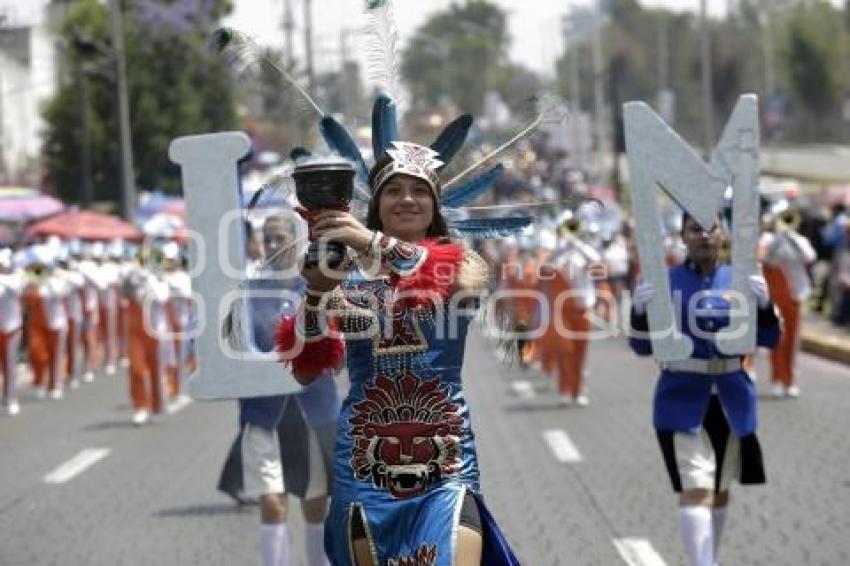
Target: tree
{"x":813,"y":58}
{"x":176,"y":87}
{"x":518,"y":86}
{"x":457,"y":55}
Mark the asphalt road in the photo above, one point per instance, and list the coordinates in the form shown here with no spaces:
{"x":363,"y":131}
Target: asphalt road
{"x":570,"y":486}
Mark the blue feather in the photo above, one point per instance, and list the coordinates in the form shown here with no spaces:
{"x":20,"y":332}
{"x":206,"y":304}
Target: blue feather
{"x":339,"y":140}
{"x":472,"y":189}
{"x":484,"y":228}
{"x":452,"y":137}
{"x":384,"y":125}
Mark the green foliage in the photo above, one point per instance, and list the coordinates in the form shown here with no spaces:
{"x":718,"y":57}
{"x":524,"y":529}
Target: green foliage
{"x":175,"y":85}
{"x":810,"y":46}
{"x":813,"y":57}
{"x":457,"y":55}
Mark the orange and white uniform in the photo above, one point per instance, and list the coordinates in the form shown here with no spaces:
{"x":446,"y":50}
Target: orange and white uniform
{"x":109,"y":296}
{"x":74,"y":307}
{"x":520,"y":278}
{"x":572,"y":297}
{"x":179,"y":317}
{"x":146,"y":317}
{"x":11,"y":320}
{"x":91,"y":317}
{"x":785,"y":256}
{"x":47,"y":327}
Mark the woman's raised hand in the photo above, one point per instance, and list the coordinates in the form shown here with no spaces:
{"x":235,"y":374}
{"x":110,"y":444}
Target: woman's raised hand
{"x":342,"y":227}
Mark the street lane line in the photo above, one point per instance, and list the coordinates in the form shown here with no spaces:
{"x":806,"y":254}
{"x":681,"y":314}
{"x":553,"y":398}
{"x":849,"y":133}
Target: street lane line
{"x":76,"y":465}
{"x":561,"y":446}
{"x":523,"y":389}
{"x":638,"y":552}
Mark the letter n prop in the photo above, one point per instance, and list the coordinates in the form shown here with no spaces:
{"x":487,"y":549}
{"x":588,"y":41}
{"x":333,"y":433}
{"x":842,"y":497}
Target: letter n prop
{"x":211,"y":189}
{"x":659,"y":158}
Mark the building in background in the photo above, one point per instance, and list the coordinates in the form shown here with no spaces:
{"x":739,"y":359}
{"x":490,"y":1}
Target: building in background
{"x":28,"y":78}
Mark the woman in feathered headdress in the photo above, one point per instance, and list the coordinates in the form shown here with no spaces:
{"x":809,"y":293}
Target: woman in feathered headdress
{"x":406,"y":485}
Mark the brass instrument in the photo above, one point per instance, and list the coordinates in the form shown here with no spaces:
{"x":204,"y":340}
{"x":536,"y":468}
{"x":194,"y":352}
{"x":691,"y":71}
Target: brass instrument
{"x":784,"y":218}
{"x":149,"y":257}
{"x":572,"y":226}
{"x":789,"y":220}
{"x":36,"y":273}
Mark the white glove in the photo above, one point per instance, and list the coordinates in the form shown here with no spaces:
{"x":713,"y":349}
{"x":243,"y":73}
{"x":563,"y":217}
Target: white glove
{"x":643,"y":293}
{"x":759,"y":288}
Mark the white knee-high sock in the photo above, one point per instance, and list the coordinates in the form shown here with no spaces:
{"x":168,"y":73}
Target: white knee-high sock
{"x":274,"y":544}
{"x":695,"y":527}
{"x":718,"y":520}
{"x":314,"y":544}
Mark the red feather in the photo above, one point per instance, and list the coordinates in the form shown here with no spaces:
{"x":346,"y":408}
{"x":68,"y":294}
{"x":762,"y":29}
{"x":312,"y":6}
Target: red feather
{"x":309,"y":360}
{"x":436,"y":275}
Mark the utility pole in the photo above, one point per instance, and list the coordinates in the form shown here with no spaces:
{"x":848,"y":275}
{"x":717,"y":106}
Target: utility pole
{"x":84,"y":140}
{"x":308,"y":43}
{"x":128,"y":181}
{"x":707,"y":87}
{"x":663,"y":55}
{"x":288,"y":27}
{"x":572,"y":55}
{"x":598,"y":84}
{"x":767,"y":36}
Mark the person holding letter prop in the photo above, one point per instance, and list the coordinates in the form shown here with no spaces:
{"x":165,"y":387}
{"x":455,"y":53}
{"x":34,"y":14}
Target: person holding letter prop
{"x":705,"y":402}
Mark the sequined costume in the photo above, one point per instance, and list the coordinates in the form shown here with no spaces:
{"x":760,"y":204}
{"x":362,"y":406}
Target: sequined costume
{"x":405,"y":453}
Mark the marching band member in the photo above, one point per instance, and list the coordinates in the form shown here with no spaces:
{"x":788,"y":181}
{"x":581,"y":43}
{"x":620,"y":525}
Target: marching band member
{"x":47,"y":322}
{"x":126,"y":268}
{"x":11,"y":287}
{"x":786,"y":255}
{"x":74,"y":306}
{"x":572,"y":305}
{"x":549,"y":342}
{"x":286,"y":441}
{"x":705,"y":406}
{"x":147,"y":295}
{"x":89,"y":298}
{"x":117,"y":254}
{"x":520,"y":272}
{"x":179,"y":311}
{"x":615,"y":255}
{"x":108,"y":295}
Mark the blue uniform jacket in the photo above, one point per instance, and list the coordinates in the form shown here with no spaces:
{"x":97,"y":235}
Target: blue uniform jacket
{"x":681,"y":398}
{"x":318,"y":401}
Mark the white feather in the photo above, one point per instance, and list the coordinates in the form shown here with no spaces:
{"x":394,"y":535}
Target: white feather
{"x":383,"y":61}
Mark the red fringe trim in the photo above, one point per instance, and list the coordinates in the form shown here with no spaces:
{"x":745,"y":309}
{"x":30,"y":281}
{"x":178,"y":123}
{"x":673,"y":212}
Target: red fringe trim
{"x":309,"y":360}
{"x":436,"y":275}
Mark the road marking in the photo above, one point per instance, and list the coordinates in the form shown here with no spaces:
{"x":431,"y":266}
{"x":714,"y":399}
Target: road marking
{"x":561,"y":446}
{"x":638,"y":552}
{"x":76,"y":465}
{"x":181,"y":403}
{"x":523,"y":389}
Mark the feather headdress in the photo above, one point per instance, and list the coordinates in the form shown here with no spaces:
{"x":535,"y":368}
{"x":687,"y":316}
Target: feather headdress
{"x":244,"y":55}
{"x":383,"y":62}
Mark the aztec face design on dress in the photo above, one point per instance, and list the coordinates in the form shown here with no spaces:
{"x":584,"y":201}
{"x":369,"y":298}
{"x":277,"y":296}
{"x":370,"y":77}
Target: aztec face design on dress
{"x":405,"y":435}
{"x":403,"y":331}
{"x":425,"y":555}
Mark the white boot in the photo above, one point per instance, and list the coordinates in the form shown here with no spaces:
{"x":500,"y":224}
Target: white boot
{"x":718,"y":520}
{"x":314,"y":544}
{"x":695,"y":528}
{"x":274,"y":544}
